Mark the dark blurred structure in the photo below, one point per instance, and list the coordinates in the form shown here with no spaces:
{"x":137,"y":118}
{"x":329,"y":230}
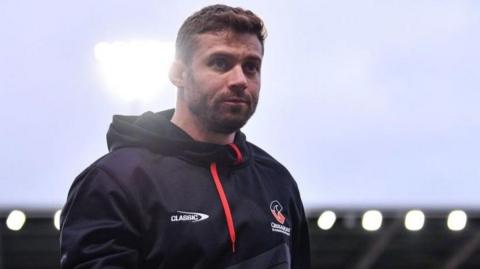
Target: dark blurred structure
{"x":435,"y":246}
{"x":36,"y":245}
{"x":345,"y":246}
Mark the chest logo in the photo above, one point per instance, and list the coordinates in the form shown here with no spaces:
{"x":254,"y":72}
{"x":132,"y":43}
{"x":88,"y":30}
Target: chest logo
{"x":276,"y":209}
{"x":188,"y":216}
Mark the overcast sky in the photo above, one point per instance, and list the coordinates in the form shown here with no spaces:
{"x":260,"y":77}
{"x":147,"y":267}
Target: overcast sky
{"x":368,"y":103}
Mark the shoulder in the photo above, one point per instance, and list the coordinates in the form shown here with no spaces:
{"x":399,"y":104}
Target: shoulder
{"x":261,"y":157}
{"x":132,"y":163}
{"x":124,"y":159}
{"x":111,"y":177}
{"x":266,"y":162}
{"x":114,"y":170}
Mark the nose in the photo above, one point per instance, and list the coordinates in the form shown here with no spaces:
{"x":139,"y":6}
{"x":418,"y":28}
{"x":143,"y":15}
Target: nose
{"x":237,"y":79}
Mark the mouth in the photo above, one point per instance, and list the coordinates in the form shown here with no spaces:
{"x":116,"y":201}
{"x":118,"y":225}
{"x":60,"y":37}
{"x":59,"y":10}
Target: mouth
{"x":235,"y":100}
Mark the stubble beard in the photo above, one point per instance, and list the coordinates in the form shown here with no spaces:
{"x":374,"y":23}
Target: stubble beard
{"x":219,"y":117}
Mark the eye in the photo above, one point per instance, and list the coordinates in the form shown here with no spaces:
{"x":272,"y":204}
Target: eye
{"x":220,"y":63}
{"x":251,"y":67}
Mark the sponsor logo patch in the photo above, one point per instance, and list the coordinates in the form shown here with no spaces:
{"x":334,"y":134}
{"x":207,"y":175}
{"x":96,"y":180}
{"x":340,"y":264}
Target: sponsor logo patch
{"x":276,"y":209}
{"x":188,"y":216}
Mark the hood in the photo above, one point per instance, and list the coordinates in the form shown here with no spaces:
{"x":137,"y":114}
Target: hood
{"x":155,"y":131}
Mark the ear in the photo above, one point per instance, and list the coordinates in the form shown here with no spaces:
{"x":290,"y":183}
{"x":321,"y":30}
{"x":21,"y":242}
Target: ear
{"x":177,"y":73}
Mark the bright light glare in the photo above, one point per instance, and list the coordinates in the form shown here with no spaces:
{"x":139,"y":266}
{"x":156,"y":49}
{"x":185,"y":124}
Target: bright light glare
{"x":457,"y":220}
{"x":414,"y":220}
{"x":135,"y":70}
{"x":56,"y":219}
{"x":15,"y":220}
{"x":372,"y":220}
{"x":326,"y":220}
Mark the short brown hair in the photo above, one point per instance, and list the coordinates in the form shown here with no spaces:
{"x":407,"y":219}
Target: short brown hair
{"x":217,"y":18}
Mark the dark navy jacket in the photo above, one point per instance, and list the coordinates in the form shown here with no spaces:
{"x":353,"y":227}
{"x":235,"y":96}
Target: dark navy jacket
{"x":160,"y":199}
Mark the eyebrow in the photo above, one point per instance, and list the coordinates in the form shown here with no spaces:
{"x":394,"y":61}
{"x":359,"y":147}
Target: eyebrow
{"x":250,"y":57}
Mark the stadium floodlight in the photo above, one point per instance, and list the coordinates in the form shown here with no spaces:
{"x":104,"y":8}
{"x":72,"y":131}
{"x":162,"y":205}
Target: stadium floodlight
{"x":56,"y":219}
{"x":457,"y":220}
{"x":414,"y":220}
{"x":326,"y":220}
{"x":135,"y":70}
{"x":15,"y":220}
{"x":372,"y":220}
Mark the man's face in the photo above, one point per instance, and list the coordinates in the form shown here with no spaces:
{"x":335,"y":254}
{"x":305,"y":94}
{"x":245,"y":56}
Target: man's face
{"x":223,"y":80}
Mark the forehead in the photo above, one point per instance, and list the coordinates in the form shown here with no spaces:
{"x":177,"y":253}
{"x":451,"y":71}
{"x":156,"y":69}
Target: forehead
{"x":244,"y":44}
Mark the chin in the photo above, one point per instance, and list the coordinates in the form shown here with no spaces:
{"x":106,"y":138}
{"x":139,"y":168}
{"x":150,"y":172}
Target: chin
{"x":228,"y":125}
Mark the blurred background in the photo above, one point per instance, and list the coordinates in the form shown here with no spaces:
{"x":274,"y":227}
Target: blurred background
{"x":372,"y":105}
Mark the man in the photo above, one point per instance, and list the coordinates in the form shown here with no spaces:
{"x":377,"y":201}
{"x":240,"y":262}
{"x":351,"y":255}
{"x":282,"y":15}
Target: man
{"x":183,"y":188}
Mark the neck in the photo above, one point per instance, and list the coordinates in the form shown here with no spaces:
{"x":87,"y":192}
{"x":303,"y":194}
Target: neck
{"x":188,"y":122}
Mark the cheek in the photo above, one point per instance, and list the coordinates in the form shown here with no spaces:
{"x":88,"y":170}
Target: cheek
{"x":204,"y":88}
{"x":207,"y":80}
{"x":213,"y":86}
{"x":255,"y":87}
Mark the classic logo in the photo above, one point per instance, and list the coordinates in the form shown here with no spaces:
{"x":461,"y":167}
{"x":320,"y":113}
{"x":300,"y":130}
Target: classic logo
{"x":276,"y":209}
{"x":188,"y":216}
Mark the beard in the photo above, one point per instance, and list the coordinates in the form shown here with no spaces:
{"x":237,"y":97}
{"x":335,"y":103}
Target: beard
{"x":222,"y":117}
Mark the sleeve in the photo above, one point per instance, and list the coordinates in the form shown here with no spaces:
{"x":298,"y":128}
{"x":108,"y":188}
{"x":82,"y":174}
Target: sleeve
{"x":301,"y":239}
{"x":99,"y":224}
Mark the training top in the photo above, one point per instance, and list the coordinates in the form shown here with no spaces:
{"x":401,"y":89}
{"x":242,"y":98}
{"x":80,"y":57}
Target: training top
{"x":160,"y":199}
